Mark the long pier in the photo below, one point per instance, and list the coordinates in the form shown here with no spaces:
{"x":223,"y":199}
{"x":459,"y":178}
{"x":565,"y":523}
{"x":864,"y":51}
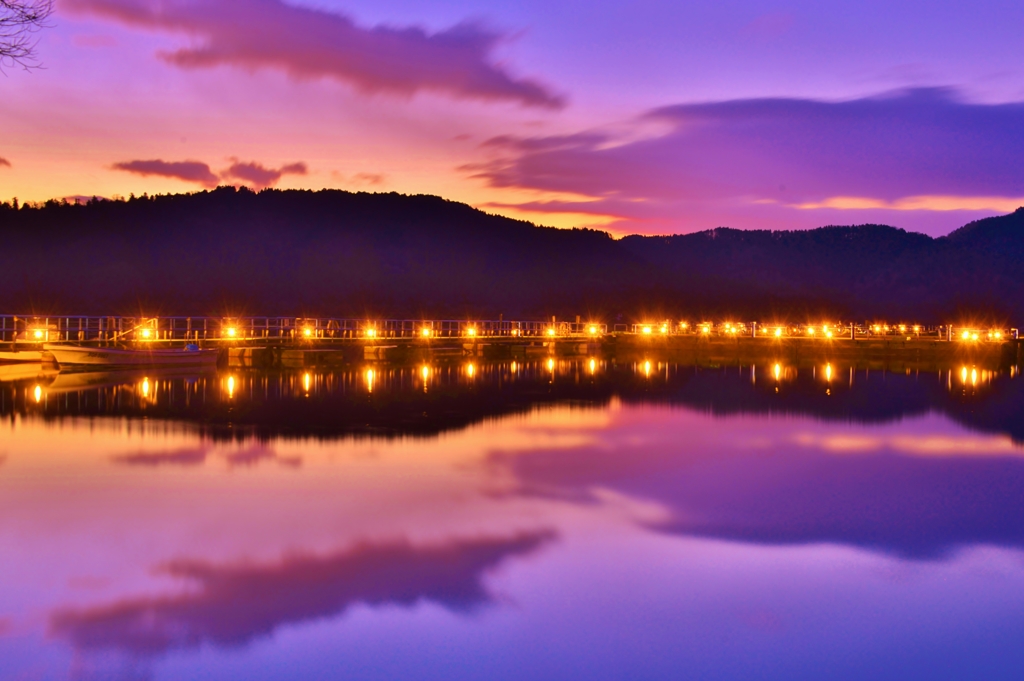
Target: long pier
{"x":299,"y":341}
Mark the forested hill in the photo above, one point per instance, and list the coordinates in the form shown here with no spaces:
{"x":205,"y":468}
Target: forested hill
{"x":330,"y":252}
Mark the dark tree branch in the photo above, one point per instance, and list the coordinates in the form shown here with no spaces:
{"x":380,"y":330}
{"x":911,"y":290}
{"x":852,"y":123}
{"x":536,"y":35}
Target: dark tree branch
{"x":19,"y":20}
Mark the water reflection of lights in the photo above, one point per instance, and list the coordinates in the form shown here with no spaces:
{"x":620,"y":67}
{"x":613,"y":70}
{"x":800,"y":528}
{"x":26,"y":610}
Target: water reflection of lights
{"x":514,"y":367}
{"x":592,"y":365}
{"x":231,"y":387}
{"x":551,"y":365}
{"x":777,"y":371}
{"x":470,"y":370}
{"x":647,"y":369}
{"x":370,"y":376}
{"x":37,"y":393}
{"x":144,"y":387}
{"x":307,"y":382}
{"x":828,"y":373}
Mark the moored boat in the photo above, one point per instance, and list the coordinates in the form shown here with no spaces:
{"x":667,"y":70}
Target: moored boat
{"x":21,"y":357}
{"x":81,"y":356}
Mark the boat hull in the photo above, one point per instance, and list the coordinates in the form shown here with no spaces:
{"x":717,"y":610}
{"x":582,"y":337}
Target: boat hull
{"x":21,"y":357}
{"x":78,"y":356}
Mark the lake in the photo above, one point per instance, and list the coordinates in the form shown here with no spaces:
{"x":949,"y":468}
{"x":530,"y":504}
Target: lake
{"x":535,"y":519}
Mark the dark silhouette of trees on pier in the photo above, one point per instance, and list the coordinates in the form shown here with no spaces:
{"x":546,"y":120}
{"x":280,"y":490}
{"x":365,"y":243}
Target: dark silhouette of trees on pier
{"x":335,"y":253}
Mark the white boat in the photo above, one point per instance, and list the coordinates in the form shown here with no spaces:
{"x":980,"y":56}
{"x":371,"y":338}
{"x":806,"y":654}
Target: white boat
{"x":21,"y":357}
{"x":81,"y":356}
{"x":25,"y":371}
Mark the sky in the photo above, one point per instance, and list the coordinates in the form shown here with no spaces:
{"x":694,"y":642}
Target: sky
{"x":651,"y":117}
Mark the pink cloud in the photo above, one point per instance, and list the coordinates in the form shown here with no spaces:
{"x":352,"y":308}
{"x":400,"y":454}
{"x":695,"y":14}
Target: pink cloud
{"x":311,"y":43}
{"x":4,"y":162}
{"x":251,"y":173}
{"x":259,"y":176}
{"x":188,"y":171}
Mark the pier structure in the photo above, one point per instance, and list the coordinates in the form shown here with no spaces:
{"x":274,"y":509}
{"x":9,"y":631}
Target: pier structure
{"x":307,"y":341}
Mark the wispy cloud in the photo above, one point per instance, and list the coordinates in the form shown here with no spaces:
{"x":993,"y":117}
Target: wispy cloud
{"x":251,"y":173}
{"x":260,"y":176}
{"x":313,"y":43}
{"x":187,"y":171}
{"x":4,"y":162}
{"x":917,"y":150}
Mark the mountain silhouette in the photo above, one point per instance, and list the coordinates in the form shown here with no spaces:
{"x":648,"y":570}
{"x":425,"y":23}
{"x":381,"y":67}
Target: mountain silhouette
{"x":334,"y":253}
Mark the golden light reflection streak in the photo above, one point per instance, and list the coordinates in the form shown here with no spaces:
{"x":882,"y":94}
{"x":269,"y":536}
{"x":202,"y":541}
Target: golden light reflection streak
{"x":371,"y":375}
{"x":777,"y":371}
{"x":145,"y":387}
{"x":307,"y":381}
{"x":647,"y":369}
{"x":231,"y":387}
{"x":828,"y":373}
{"x":37,"y":393}
{"x":470,"y":370}
{"x":425,"y":373}
{"x":593,"y":366}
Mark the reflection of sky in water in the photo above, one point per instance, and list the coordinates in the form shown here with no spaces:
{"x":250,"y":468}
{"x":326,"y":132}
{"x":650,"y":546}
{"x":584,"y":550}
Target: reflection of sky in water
{"x":615,"y":542}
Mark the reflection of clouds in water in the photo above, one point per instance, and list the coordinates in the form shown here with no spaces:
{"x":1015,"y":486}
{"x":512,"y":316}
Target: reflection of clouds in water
{"x":714,"y":485}
{"x":191,"y":456}
{"x":923,"y":445}
{"x":197,"y":456}
{"x":230,"y":605}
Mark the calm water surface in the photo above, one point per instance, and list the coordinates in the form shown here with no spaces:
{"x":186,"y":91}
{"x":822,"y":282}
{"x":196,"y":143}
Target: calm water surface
{"x":530,"y":520}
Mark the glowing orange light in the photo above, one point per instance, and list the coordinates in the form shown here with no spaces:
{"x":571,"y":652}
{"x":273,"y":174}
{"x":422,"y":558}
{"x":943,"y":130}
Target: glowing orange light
{"x":425,"y":372}
{"x":966,"y":335}
{"x":647,"y":369}
{"x":370,"y":376}
{"x":231,"y":332}
{"x":646,"y":330}
{"x":664,"y":328}
{"x":777,"y":371}
{"x":307,"y":332}
{"x":551,"y":332}
{"x":146,"y":333}
{"x":592,"y":330}
{"x":37,"y":393}
{"x":425,"y":332}
{"x":828,"y":372}
{"x":683,"y":325}
{"x":593,"y":366}
{"x":371,"y":333}
{"x":307,"y":381}
{"x":38,"y":334}
{"x":145,"y":387}
{"x":778,"y":332}
{"x":231,"y":387}
{"x":551,"y":365}
{"x":470,"y":370}
{"x":471,"y":331}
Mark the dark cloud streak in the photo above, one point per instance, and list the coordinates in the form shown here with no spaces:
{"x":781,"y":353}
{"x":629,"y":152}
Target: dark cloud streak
{"x":311,"y":43}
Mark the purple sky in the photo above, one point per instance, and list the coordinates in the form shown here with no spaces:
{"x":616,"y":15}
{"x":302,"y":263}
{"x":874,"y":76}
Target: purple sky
{"x":651,"y":117}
